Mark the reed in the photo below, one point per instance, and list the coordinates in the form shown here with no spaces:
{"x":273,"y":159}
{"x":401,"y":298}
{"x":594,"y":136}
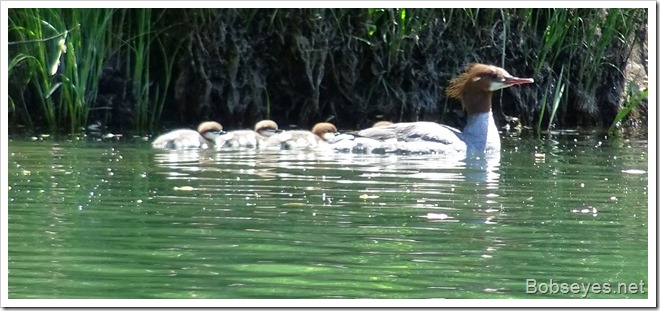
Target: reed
{"x":86,"y":55}
{"x":590,"y":44}
{"x":307,"y":65}
{"x":21,"y":59}
{"x":632,"y":101}
{"x":137,"y":59}
{"x":161,"y":92}
{"x":60,"y":54}
{"x":57,"y":58}
{"x":556,"y":99}
{"x":32,"y":52}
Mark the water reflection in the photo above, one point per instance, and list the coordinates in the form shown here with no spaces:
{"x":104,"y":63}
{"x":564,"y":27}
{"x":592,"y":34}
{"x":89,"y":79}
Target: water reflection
{"x":280,"y":164}
{"x":249,"y":177}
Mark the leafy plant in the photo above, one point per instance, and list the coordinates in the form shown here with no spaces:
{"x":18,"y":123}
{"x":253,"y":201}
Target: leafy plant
{"x":633,"y":101}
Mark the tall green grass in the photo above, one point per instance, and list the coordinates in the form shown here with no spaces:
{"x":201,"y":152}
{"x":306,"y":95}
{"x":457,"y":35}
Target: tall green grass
{"x":305,"y":65}
{"x":58,"y":56}
{"x":632,"y":101}
{"x":588,"y":43}
{"x":556,"y":98}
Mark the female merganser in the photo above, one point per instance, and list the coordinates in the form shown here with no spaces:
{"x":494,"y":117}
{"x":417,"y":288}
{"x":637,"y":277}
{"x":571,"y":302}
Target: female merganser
{"x":474,"y":88}
{"x":249,"y":138}
{"x":321,"y":134}
{"x":204,"y":137}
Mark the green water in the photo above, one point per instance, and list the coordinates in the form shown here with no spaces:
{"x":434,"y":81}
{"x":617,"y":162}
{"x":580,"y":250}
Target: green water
{"x":118,"y":219}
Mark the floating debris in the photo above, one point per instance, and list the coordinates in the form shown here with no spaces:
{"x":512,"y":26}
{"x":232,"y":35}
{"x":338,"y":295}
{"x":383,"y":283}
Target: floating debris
{"x":184,"y":188}
{"x":366,"y":196}
{"x":634,"y":171}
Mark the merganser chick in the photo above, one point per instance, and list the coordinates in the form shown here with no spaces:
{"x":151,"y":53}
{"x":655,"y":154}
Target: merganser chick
{"x":249,"y":138}
{"x":474,"y":88}
{"x":204,"y":137}
{"x":321,"y":134}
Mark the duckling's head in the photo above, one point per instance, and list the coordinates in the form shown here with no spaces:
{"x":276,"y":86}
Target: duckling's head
{"x":382,"y":123}
{"x":475,"y":86}
{"x":327,"y":131}
{"x":266,"y":128}
{"x":210,"y":129}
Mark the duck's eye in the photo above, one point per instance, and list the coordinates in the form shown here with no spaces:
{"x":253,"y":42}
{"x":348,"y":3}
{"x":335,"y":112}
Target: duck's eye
{"x":494,"y":76}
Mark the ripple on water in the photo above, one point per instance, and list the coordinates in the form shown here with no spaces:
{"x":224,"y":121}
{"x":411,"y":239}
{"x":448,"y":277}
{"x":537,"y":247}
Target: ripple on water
{"x":247,"y":224}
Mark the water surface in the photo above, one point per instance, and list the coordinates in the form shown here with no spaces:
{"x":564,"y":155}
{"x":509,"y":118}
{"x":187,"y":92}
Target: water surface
{"x":116,"y":219}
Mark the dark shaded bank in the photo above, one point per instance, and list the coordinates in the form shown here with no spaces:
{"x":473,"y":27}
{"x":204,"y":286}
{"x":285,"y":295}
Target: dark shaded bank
{"x":160,"y":68}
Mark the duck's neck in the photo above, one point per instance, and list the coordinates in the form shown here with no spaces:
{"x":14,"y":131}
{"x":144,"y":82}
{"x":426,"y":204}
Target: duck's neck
{"x":208,"y":137}
{"x":481,"y":134}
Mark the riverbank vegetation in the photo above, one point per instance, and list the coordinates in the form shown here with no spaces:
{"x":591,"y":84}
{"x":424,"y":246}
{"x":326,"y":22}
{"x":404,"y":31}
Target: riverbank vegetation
{"x":141,"y":70}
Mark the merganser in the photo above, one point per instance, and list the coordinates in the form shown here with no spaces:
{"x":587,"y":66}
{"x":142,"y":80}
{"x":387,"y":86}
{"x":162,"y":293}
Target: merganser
{"x":207,"y":132}
{"x":249,"y":138}
{"x":321,"y":134}
{"x":474,"y":88}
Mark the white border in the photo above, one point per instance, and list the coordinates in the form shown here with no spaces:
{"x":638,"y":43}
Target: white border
{"x":652,"y":229}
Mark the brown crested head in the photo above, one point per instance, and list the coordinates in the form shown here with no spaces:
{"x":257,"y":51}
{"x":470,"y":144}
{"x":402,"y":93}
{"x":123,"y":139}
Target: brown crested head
{"x":209,"y":126}
{"x":474,"y":87}
{"x":210,"y":130}
{"x":265,"y":124}
{"x":325,"y":130}
{"x":382,"y":123}
{"x":266,"y":127}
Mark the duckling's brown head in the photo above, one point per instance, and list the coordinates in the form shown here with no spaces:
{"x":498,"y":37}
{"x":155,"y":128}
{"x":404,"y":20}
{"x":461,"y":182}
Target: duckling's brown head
{"x":474,"y":87}
{"x":327,"y":131}
{"x":210,"y":129}
{"x":382,"y":123}
{"x":266,"y":128}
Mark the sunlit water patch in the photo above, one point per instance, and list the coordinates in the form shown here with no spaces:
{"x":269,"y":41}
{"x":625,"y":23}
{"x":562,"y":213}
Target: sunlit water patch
{"x":121,"y":220}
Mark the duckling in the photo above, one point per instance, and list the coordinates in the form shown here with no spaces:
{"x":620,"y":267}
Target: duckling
{"x":249,"y":138}
{"x":205,"y":136}
{"x":320,"y":135}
